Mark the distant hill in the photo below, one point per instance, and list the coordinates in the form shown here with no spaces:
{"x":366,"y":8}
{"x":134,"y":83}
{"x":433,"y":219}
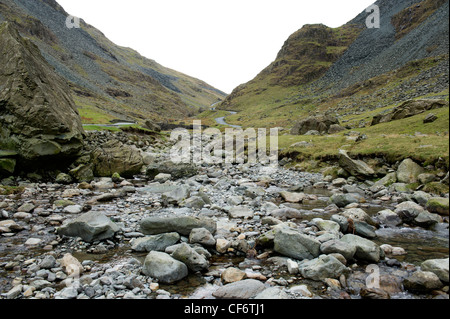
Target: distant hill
{"x":351,"y":69}
{"x":107,"y":81}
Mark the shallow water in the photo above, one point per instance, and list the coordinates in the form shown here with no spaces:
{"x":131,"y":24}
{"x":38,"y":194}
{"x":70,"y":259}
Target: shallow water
{"x":420,"y":244}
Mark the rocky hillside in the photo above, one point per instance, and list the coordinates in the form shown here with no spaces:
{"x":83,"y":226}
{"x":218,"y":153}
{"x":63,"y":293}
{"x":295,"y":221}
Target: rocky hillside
{"x":107,"y":81}
{"x":351,"y":69}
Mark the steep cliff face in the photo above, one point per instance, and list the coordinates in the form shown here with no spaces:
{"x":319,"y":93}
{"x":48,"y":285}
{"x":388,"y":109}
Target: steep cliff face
{"x":39,"y":121}
{"x":107,"y":81}
{"x":351,"y":68}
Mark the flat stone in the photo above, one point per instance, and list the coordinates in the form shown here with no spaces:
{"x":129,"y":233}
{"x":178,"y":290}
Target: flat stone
{"x":244,"y":289}
{"x":182,"y":225}
{"x":240,"y":212}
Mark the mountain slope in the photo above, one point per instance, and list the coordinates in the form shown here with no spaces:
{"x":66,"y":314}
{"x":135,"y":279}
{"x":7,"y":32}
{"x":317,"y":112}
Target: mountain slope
{"x":107,"y":81}
{"x":350,"y":69}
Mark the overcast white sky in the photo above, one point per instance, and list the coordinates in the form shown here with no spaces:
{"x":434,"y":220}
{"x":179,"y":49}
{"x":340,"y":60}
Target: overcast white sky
{"x":223,"y":42}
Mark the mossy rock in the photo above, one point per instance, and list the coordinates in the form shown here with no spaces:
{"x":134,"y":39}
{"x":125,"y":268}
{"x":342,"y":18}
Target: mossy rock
{"x":7,"y":166}
{"x":438,"y":205}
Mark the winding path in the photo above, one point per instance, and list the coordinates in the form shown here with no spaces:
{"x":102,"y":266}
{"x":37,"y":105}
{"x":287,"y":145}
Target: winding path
{"x":221,"y":121}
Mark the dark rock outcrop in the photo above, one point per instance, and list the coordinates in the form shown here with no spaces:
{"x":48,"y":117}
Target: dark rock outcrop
{"x":38,"y":118}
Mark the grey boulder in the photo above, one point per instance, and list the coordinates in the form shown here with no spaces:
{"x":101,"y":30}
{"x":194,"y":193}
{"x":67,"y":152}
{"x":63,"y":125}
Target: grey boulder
{"x":164,"y":268}
{"x":91,"y":226}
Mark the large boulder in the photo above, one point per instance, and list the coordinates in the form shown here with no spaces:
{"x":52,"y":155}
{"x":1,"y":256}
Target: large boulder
{"x":408,"y":171}
{"x":408,"y":109}
{"x":321,"y":124}
{"x":422,"y":282}
{"x":38,"y":117}
{"x":116,"y":157}
{"x":355,"y":168}
{"x":366,"y":250}
{"x":292,"y":243}
{"x":91,"y":226}
{"x":244,"y":289}
{"x":180,"y":224}
{"x":177,"y":171}
{"x":164,"y":268}
{"x":437,"y":266}
{"x":438,"y":205}
{"x":320,"y":268}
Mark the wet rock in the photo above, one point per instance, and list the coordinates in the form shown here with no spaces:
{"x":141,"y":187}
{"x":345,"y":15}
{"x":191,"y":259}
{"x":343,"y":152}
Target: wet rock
{"x":421,"y":197}
{"x":374,"y":293}
{"x":365,"y":249}
{"x":437,"y":266}
{"x":340,"y":247}
{"x":157,"y":242}
{"x":364,"y":230}
{"x":408,"y":211}
{"x":438,"y":205}
{"x":244,"y":289}
{"x":422,"y":282}
{"x":90,"y":227}
{"x":426,"y":219}
{"x":342,"y":200}
{"x":164,"y":268}
{"x":388,"y":218}
{"x":292,"y":243}
{"x":326,"y":225}
{"x":325,"y":266}
{"x":182,"y":225}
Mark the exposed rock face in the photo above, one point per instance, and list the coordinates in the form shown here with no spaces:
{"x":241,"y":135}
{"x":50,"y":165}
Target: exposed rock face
{"x":408,"y":109}
{"x":321,"y":124}
{"x":38,"y":118}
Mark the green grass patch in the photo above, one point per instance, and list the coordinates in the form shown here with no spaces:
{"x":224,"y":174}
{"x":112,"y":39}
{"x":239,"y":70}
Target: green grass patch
{"x":9,"y":190}
{"x":394,"y":141}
